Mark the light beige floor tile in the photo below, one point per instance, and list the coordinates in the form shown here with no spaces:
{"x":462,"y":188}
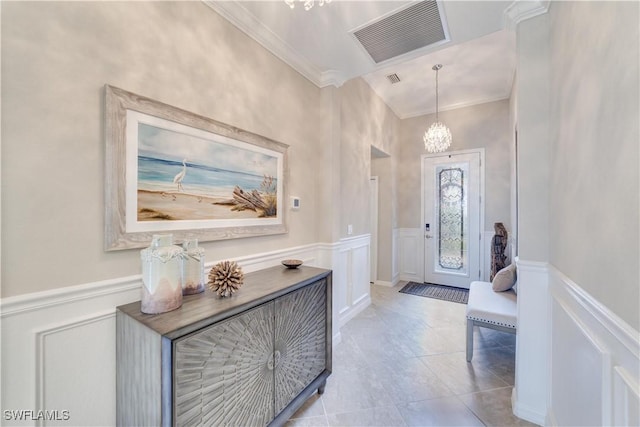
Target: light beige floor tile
{"x":353,"y":390}
{"x":410,"y":380}
{"x":320,"y":421}
{"x":447,"y":411}
{"x":347,"y":354}
{"x":493,"y":407}
{"x":312,"y":408}
{"x":501,"y":361}
{"x":382,"y":347}
{"x":383,"y":417}
{"x":429,"y":341}
{"x":462,"y":377}
{"x":375,"y":366}
{"x":482,"y":337}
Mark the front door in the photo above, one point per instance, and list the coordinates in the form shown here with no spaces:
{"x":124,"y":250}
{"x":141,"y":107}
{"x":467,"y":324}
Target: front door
{"x":452,"y":214}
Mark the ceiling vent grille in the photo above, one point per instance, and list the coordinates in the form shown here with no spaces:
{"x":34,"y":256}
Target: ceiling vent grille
{"x":393,"y":78}
{"x":412,"y":28}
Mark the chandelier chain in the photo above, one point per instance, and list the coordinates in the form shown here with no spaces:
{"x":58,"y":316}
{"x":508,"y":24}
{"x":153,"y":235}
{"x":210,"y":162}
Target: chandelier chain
{"x":437,"y":69}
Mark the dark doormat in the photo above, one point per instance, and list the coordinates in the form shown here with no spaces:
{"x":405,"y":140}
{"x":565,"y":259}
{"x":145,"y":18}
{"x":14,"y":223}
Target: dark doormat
{"x":429,"y":290}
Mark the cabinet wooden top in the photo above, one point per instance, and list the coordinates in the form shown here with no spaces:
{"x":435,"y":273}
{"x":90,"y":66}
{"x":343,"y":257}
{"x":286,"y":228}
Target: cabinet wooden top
{"x":200,"y":310}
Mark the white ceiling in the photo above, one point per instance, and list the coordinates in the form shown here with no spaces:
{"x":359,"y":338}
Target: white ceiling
{"x":478,"y":60}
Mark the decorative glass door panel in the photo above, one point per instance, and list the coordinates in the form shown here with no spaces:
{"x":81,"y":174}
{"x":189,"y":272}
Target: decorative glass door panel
{"x":452,"y":224}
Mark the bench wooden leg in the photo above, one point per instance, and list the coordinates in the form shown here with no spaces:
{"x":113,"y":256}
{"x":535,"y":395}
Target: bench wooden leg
{"x":469,"y":340}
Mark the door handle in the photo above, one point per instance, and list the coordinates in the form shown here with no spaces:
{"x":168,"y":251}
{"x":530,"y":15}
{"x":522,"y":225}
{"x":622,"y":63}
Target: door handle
{"x":428,"y":236}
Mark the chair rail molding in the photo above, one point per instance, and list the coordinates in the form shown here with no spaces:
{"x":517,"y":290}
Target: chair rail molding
{"x":48,"y":336}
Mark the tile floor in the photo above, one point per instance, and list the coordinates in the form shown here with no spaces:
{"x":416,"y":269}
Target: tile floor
{"x":401,"y":362}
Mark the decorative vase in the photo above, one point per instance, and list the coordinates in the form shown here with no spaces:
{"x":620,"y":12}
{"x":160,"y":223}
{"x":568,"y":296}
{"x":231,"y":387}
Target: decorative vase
{"x":192,"y":268}
{"x":161,"y":275}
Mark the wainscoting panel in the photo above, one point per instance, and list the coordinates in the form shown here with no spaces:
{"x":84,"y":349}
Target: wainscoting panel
{"x":532,"y":346}
{"x":58,"y":353}
{"x":595,"y":360}
{"x":352,"y":283}
{"x":92,"y":338}
{"x":58,"y":347}
{"x":626,"y":400}
{"x":411,"y":254}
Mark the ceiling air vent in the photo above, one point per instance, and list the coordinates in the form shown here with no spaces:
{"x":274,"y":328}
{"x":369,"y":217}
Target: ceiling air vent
{"x":412,"y":28}
{"x":393,"y":78}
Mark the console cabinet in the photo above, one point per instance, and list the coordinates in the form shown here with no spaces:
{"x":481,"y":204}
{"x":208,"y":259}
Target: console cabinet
{"x":248,"y":360}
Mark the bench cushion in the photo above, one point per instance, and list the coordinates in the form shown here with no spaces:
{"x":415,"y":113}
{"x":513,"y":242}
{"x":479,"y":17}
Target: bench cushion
{"x":498,"y":308}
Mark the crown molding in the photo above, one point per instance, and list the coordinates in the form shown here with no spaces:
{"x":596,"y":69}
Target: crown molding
{"x":521,"y":10}
{"x":332,"y":78}
{"x":241,"y":18}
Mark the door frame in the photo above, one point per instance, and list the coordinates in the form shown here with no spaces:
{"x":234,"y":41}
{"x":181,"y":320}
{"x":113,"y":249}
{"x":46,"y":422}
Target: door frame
{"x":481,"y":251}
{"x":374,"y":188}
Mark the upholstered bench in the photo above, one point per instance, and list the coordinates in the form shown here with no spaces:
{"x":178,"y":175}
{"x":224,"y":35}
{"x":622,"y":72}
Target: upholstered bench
{"x":489,"y":309}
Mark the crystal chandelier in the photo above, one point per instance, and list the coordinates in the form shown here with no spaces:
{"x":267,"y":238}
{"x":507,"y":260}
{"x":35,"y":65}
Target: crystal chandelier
{"x":308,"y":4}
{"x":438,"y":137}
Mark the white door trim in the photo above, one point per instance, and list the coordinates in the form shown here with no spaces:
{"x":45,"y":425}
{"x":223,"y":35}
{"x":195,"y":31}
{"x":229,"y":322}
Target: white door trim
{"x":479,"y":151}
{"x":373,"y":200}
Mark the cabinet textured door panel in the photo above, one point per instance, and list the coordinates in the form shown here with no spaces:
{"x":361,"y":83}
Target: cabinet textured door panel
{"x":223,"y":374}
{"x":300,"y":341}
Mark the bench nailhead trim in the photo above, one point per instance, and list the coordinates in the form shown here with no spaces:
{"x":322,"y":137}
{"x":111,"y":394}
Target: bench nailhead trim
{"x":492,"y":322}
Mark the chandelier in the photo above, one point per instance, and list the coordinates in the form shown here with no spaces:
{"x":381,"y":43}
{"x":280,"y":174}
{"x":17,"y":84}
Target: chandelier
{"x":438,"y":137}
{"x":308,"y":4}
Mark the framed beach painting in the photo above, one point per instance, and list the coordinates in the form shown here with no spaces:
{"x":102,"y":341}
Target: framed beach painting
{"x":172,"y":171}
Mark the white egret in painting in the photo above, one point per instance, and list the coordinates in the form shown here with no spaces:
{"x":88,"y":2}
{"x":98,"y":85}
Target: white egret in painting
{"x":180,"y":176}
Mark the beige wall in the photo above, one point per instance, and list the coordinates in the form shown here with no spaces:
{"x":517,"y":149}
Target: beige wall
{"x":483,"y":125}
{"x":594,"y":180}
{"x":365,"y":121}
{"x":56,"y":58}
{"x":532,"y":106}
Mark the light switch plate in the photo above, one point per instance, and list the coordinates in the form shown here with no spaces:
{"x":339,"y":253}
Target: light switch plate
{"x":295,"y":203}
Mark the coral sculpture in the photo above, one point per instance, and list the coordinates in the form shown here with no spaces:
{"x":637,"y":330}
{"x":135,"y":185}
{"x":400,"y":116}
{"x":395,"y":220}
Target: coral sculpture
{"x":225,"y":278}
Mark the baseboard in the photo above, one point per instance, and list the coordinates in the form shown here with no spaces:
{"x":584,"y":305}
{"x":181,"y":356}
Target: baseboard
{"x":525,"y":412}
{"x":355,"y":309}
{"x":385,"y":283}
{"x":411,"y":278}
{"x":550,"y":420}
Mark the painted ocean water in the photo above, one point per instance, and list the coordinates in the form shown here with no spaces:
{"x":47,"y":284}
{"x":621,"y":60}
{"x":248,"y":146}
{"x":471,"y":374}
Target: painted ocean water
{"x":157,"y":175}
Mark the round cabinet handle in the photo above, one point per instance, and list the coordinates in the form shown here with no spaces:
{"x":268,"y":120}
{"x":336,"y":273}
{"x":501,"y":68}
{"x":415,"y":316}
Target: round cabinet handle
{"x":270,"y":364}
{"x":274,"y":360}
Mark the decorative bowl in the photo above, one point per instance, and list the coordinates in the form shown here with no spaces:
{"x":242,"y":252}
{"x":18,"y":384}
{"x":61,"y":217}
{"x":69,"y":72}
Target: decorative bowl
{"x":292,"y":263}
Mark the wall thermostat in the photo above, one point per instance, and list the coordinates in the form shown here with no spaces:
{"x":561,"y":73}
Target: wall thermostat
{"x":295,"y":203}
